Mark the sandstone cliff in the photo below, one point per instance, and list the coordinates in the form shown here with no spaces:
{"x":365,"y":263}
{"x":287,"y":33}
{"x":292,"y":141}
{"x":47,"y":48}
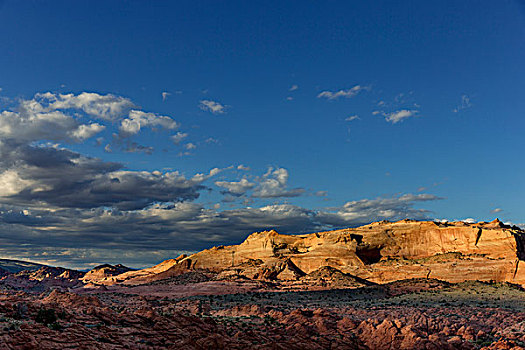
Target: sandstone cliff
{"x":380,"y":252}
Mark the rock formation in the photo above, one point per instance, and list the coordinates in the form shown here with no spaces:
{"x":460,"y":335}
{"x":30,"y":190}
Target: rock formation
{"x":379,"y":252}
{"x":103,"y":272}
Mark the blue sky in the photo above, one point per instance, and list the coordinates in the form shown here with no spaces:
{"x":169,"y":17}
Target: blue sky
{"x":316,"y":116}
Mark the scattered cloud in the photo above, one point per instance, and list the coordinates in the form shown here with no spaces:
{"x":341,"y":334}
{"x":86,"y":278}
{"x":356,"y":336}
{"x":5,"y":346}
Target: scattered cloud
{"x":238,"y":188}
{"x":496,"y":210}
{"x":348,"y":93}
{"x":211,"y":140}
{"x":242,"y":167}
{"x":165,"y":95}
{"x":273,"y":184}
{"x":368,"y":210}
{"x":190,"y":146}
{"x":134,"y":147}
{"x":106,"y":107}
{"x":139,"y":119}
{"x":212,"y":106}
{"x":293,"y":88}
{"x":400,"y":115}
{"x":178,"y":137}
{"x":33,"y":122}
{"x":465,"y":104}
{"x":352,"y":117}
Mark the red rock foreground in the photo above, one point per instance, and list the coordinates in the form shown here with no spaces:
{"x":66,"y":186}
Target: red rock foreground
{"x":412,"y":314}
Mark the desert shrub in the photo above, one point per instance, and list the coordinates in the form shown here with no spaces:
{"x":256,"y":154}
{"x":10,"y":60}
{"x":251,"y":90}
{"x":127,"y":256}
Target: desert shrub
{"x":20,"y":311}
{"x":46,"y":316}
{"x":55,"y":326}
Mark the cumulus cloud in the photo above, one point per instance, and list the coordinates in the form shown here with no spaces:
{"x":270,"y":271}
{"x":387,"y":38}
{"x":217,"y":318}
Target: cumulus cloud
{"x":236,"y":188}
{"x":212,"y":106}
{"x":86,"y":131}
{"x":60,"y":117}
{"x":139,"y":119}
{"x":107,"y":107}
{"x":274,"y":184}
{"x":27,"y":125}
{"x":400,"y":115}
{"x":348,"y":93}
{"x":59,"y":177}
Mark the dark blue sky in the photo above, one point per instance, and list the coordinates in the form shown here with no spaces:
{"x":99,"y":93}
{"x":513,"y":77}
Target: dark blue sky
{"x":340,"y":110}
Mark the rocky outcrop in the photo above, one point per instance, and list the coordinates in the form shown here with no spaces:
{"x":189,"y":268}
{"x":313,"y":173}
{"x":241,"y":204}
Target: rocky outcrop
{"x":50,"y":272}
{"x":103,"y":272}
{"x":165,"y":269}
{"x":380,"y":252}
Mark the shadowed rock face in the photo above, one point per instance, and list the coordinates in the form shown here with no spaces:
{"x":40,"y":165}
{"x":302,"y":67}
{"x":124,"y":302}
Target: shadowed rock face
{"x":380,"y":252}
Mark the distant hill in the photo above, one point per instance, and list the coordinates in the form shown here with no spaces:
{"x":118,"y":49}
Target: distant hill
{"x":14,"y":266}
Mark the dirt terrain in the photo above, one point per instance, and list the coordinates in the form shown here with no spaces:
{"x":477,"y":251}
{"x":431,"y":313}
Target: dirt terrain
{"x":409,"y":314}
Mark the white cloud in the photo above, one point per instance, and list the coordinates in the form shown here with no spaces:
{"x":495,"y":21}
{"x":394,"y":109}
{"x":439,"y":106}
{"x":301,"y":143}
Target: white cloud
{"x":352,"y":117}
{"x":198,"y":178}
{"x":60,"y":117}
{"x":398,"y":116}
{"x":190,"y":146}
{"x":85,"y":131}
{"x":368,"y":210}
{"x":139,"y":119}
{"x":107,"y":107}
{"x":348,"y":93}
{"x":273,"y":184}
{"x":293,"y":88}
{"x":165,"y":95}
{"x":212,"y":106}
{"x":236,"y":188}
{"x":496,"y":210}
{"x":178,"y":137}
{"x":242,"y":167}
{"x":33,"y":124}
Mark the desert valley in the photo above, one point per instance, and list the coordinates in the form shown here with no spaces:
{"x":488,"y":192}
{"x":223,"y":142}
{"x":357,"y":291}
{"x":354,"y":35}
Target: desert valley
{"x":403,"y":285}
